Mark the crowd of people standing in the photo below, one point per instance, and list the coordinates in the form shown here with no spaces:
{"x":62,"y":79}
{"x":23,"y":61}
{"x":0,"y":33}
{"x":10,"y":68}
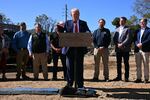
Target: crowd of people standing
{"x":38,"y":44}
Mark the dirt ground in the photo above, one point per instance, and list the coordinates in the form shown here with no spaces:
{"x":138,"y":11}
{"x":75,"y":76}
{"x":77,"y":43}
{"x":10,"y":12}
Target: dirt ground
{"x":105,"y":90}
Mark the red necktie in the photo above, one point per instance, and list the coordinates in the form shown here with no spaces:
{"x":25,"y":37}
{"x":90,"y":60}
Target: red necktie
{"x":76,"y":28}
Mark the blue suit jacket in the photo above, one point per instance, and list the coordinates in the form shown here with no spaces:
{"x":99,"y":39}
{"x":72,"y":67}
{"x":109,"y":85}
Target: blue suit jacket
{"x":69,"y":28}
{"x":145,"y":40}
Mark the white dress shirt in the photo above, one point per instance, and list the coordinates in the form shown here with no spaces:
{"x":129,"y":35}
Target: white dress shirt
{"x":120,"y":30}
{"x":141,"y":33}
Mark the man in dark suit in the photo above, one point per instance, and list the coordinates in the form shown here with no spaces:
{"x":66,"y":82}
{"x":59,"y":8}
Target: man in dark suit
{"x":75,"y":55}
{"x":122,"y":41}
{"x":142,"y":50}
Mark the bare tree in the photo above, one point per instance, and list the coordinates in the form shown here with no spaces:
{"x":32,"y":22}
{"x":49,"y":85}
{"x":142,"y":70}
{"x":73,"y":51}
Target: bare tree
{"x":142,"y":7}
{"x":46,"y":22}
{"x":52,"y":25}
{"x":5,"y":19}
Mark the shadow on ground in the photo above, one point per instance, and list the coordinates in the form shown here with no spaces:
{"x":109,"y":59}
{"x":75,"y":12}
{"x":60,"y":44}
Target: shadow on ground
{"x":12,"y":68}
{"x":126,"y":93}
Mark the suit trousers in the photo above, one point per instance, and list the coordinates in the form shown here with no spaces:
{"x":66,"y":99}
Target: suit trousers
{"x":40,"y":59}
{"x":73,"y":59}
{"x":139,"y":57}
{"x":97,"y":58}
{"x":55,"y":63}
{"x":3,"y":63}
{"x":22,"y":60}
{"x":125,"y":56}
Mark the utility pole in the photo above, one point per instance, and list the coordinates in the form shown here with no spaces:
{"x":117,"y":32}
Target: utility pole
{"x":66,"y":12}
{"x":1,"y":19}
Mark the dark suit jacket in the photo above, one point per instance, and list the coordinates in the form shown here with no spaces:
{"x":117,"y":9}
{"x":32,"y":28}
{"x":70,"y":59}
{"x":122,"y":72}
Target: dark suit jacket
{"x":82,"y":28}
{"x":145,"y":40}
{"x":125,"y":39}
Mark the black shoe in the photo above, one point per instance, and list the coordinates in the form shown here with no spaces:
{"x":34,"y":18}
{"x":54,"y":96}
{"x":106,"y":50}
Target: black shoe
{"x":24,"y":77}
{"x":117,"y":79}
{"x":67,"y":90}
{"x":126,"y":80}
{"x":138,"y":81}
{"x":46,"y":79}
{"x":145,"y":81}
{"x":54,"y":78}
{"x":35,"y":79}
{"x":64,"y":78}
{"x":95,"y":79}
{"x":17,"y":78}
{"x":106,"y":80}
{"x":4,"y":78}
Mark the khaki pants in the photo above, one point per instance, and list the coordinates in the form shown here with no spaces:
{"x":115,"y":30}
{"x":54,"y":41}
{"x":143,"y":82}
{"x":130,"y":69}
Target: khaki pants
{"x":40,"y":59}
{"x":22,"y":59}
{"x":105,"y":57}
{"x":139,"y":57}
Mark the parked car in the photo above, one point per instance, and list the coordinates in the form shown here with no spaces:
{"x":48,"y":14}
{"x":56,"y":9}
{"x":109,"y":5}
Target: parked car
{"x":12,"y":54}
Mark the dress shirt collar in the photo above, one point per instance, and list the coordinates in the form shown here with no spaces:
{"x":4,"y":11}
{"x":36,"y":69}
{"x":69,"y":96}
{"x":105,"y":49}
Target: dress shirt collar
{"x":101,"y":28}
{"x":22,"y":30}
{"x":121,"y":27}
{"x":76,"y":21}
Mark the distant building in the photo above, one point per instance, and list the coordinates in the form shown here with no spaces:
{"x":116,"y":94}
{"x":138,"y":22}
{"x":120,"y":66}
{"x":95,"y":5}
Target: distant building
{"x":9,"y":27}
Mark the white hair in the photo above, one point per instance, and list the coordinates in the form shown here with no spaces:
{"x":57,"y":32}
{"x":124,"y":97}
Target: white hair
{"x":60,"y":23}
{"x":37,"y":25}
{"x":75,"y":9}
